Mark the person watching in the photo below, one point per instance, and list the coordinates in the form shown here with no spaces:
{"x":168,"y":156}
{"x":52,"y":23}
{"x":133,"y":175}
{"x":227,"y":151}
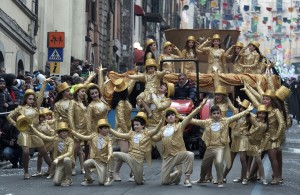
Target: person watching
{"x":185,"y":89}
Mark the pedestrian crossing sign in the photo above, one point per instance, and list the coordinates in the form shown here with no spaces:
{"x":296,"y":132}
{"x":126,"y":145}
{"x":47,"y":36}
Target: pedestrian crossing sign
{"x":54,"y":68}
{"x":55,"y":54}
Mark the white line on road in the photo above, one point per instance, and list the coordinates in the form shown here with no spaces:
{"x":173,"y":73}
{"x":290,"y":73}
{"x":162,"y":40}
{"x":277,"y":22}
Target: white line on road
{"x":257,"y":190}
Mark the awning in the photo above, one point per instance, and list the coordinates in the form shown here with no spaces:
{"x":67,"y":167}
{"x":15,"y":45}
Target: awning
{"x":138,"y":10}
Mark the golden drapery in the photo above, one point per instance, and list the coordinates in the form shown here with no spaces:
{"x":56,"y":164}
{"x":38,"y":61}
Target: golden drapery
{"x":206,"y":81}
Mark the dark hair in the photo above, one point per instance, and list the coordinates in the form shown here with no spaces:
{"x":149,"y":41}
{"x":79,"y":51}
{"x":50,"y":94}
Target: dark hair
{"x":170,"y":112}
{"x":118,"y":96}
{"x":89,"y":98}
{"x":163,"y":83}
{"x":260,"y":55}
{"x":233,"y":57}
{"x":224,"y":100}
{"x":215,"y":108}
{"x":58,"y":97}
{"x":266,"y":119}
{"x":9,"y":79}
{"x":140,"y":120}
{"x":148,"y":49}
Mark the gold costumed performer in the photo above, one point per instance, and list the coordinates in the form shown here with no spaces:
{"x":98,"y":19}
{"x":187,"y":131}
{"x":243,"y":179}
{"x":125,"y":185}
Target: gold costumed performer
{"x":78,"y":122}
{"x":152,"y":79}
{"x":44,"y":128}
{"x":216,"y":140}
{"x":150,"y":50}
{"x":215,"y":54}
{"x":139,"y":146}
{"x":100,"y":154}
{"x":252,"y":59}
{"x":169,"y":67}
{"x":24,"y":114}
{"x":276,"y":125}
{"x":258,"y":136}
{"x":174,"y":151}
{"x":190,"y":52}
{"x":236,"y":58}
{"x":123,"y":108}
{"x":62,"y":154}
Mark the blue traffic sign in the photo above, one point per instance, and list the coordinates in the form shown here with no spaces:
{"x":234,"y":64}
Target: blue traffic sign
{"x":55,"y":54}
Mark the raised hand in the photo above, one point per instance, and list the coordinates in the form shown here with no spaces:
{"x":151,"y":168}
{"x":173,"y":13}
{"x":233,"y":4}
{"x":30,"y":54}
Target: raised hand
{"x":238,"y":99}
{"x":250,"y":107}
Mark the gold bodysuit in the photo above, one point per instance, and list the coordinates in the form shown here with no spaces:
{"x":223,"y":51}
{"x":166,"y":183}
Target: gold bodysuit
{"x":251,"y":63}
{"x":152,"y":81}
{"x":61,"y":109}
{"x":123,"y":116}
{"x":214,"y":58}
{"x":97,"y":109}
{"x":77,"y":117}
{"x":189,"y":67}
{"x":27,"y":138}
{"x":237,"y":63}
{"x":169,"y":66}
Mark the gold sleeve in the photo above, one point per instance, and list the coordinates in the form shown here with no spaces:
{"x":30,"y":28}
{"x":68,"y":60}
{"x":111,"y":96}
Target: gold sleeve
{"x":12,"y":115}
{"x":183,"y":52}
{"x":231,"y":106}
{"x":256,"y":61}
{"x":265,"y":140}
{"x":237,"y":116}
{"x":202,"y":48}
{"x":120,"y":135}
{"x":82,"y":137}
{"x":101,"y":81}
{"x":71,"y":115}
{"x":41,"y":94}
{"x":160,"y":74}
{"x":149,"y":55}
{"x":270,"y":82}
{"x":281,"y":123}
{"x":252,"y":98}
{"x":179,"y":54}
{"x":188,"y":119}
{"x":156,"y":130}
{"x":162,"y":105}
{"x":226,"y":54}
{"x":89,"y":119}
{"x":137,"y":77}
{"x":256,"y":94}
{"x":156,"y":137}
{"x":42,"y":136}
{"x":69,"y":152}
{"x":200,"y":123}
{"x":110,"y":149}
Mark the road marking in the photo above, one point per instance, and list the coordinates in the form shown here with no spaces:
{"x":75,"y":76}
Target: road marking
{"x":257,"y":190}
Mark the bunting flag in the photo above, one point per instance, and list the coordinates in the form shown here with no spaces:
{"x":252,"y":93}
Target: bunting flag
{"x":246,"y":8}
{"x":284,"y":19}
{"x":269,"y":9}
{"x":257,"y":8}
{"x":274,"y":19}
{"x":202,"y":2}
{"x":213,"y":4}
{"x":291,"y":9}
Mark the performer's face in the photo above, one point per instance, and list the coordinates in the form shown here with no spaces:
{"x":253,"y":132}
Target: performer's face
{"x":63,"y":134}
{"x":242,"y":108}
{"x":162,"y":89}
{"x":191,"y":44}
{"x":237,"y":50}
{"x":171,"y":118}
{"x":153,"y":47}
{"x":168,"y":50}
{"x":261,"y":115}
{"x":216,"y":42}
{"x":42,"y":118}
{"x":30,"y":100}
{"x":104,"y":130}
{"x":94,"y":93}
{"x":81,"y":94}
{"x":251,"y":47}
{"x":49,"y":116}
{"x":137,"y":126}
{"x":267,"y":100}
{"x":151,"y":69}
{"x":216,"y":115}
{"x":219,"y":97}
{"x":67,"y":94}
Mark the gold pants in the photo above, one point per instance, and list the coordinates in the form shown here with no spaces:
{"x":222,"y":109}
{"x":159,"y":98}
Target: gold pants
{"x":101,"y":170}
{"x":63,"y":170}
{"x":211,"y":155}
{"x":136,"y":168}
{"x":170,"y":162}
